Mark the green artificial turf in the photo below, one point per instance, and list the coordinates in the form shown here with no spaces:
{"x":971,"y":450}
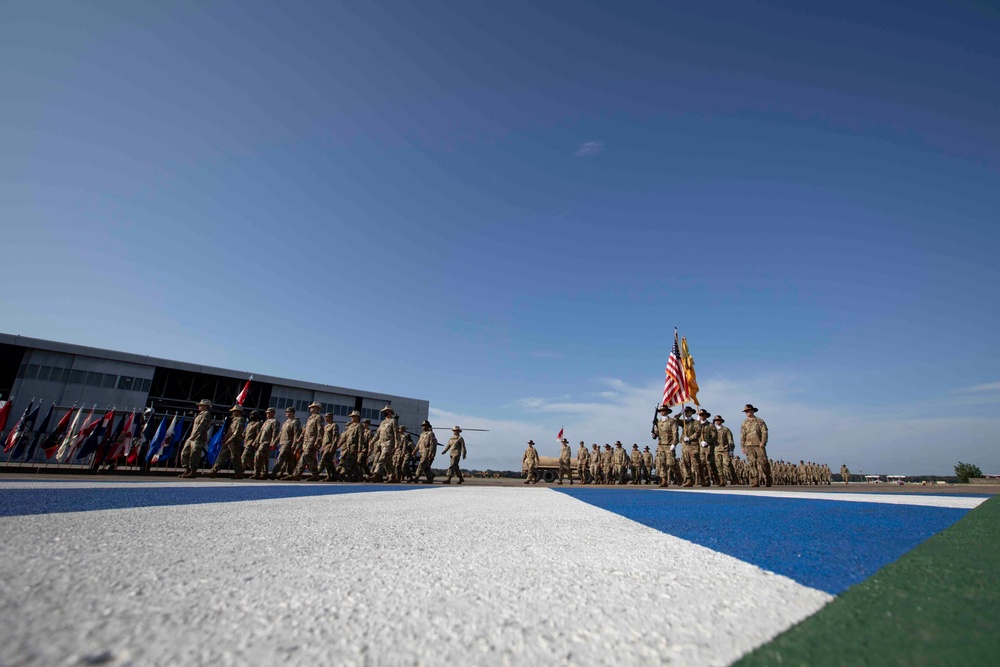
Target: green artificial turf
{"x":937,"y":605}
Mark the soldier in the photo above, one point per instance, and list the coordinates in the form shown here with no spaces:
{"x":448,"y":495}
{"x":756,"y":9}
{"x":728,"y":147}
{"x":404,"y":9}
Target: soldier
{"x":352,"y":443}
{"x":312,"y":440}
{"x":595,"y":464}
{"x":723,"y":445}
{"x":753,"y":443}
{"x":706,"y":451}
{"x":582,"y":462}
{"x":565,"y":456}
{"x":607,"y":464}
{"x":636,"y":461}
{"x":690,"y":458}
{"x":195,"y":444}
{"x":666,"y":434}
{"x":265,"y":443}
{"x":368,"y":454}
{"x":328,"y":454}
{"x":427,"y":448}
{"x":250,"y":440}
{"x":646,"y":470}
{"x":288,"y":439}
{"x":386,"y":441}
{"x":404,"y":451}
{"x":530,"y":464}
{"x":232,"y":445}
{"x":456,"y":445}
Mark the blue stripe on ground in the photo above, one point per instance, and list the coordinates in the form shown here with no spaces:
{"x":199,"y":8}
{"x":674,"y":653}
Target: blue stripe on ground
{"x":23,"y":502}
{"x":825,"y":544}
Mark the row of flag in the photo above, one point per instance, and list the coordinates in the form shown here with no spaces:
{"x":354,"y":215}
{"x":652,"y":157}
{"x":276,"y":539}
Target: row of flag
{"x":76,"y":436}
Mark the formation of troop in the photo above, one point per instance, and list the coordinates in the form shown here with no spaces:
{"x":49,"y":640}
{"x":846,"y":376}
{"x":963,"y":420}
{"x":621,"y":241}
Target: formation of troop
{"x":319,"y":448}
{"x":707,"y":456}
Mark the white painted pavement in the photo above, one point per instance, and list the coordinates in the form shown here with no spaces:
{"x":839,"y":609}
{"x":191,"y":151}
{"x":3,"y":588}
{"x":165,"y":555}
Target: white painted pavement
{"x":485,"y":576}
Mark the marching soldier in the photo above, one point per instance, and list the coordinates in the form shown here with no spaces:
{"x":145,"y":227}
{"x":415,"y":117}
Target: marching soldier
{"x":753,"y":443}
{"x":404,"y":451}
{"x":530,"y":464}
{"x":250,"y":440}
{"x":666,"y":434}
{"x":690,"y":457}
{"x":368,"y":454}
{"x":328,"y":454}
{"x":386,"y":442}
{"x":352,"y":444}
{"x":312,"y":440}
{"x":195,"y":444}
{"x":582,"y":462}
{"x":288,"y":438}
{"x":265,"y":443}
{"x":723,"y":445}
{"x":706,"y":449}
{"x":427,"y":448}
{"x":565,"y":456}
{"x":232,"y":445}
{"x":456,"y":445}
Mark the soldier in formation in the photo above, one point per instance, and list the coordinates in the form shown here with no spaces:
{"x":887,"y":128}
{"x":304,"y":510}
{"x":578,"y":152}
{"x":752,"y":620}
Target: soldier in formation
{"x":232,"y":445}
{"x":195,"y":444}
{"x":583,"y":463}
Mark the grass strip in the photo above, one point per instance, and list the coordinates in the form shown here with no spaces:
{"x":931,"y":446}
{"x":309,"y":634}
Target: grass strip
{"x":939,"y":604}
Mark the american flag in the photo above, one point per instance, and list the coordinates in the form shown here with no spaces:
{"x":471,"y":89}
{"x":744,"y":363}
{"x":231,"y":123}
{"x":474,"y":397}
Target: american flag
{"x":675,"y":389}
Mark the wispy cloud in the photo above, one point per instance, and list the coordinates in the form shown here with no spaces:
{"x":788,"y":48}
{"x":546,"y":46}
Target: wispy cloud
{"x":978,"y":388}
{"x":887,"y":440}
{"x":589,"y":148}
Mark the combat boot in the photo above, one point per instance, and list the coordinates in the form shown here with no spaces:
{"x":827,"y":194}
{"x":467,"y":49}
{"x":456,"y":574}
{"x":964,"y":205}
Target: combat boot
{"x":571,"y":482}
{"x":461,"y":480}
{"x":238,"y":475}
{"x":210,"y":473}
{"x":292,"y":478}
{"x":688,"y":484}
{"x":447,"y":481}
{"x":313,"y":478}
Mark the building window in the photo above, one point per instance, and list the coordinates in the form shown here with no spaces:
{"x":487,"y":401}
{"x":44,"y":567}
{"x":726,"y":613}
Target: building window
{"x":59,"y":375}
{"x":125,"y":382}
{"x":109,"y":380}
{"x":77,"y":377}
{"x":32,"y":373}
{"x":94,"y":379}
{"x":145,"y":384}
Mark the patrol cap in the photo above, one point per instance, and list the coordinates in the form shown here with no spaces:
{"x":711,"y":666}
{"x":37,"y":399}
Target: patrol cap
{"x":290,"y":409}
{"x":749,"y":408}
{"x":314,"y":404}
{"x":270,"y":411}
{"x":366,"y":421}
{"x":664,"y":408}
{"x":205,"y":402}
{"x":355,"y":413}
{"x":329,"y":414}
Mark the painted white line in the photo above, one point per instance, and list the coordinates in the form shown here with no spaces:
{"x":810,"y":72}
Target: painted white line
{"x":484,"y":576}
{"x":961,"y":502}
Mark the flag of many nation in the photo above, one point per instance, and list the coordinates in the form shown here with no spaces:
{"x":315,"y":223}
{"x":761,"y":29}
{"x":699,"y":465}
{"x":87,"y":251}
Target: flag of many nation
{"x":163,"y":573}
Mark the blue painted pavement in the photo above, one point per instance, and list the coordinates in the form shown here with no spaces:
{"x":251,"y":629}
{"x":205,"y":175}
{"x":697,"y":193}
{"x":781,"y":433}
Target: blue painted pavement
{"x":825,"y":544}
{"x":22,"y":502}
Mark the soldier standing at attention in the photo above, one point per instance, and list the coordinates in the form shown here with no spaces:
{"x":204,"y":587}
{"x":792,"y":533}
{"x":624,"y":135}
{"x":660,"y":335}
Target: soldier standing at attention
{"x":595,"y":464}
{"x":265,"y":442}
{"x":195,"y":444}
{"x":666,"y":434}
{"x":636,"y":458}
{"x":646,"y":471}
{"x":607,"y":464}
{"x":287,"y":439}
{"x":619,"y":463}
{"x":427,"y":448}
{"x":565,"y":456}
{"x":753,"y":442}
{"x":250,"y":440}
{"x":312,"y":439}
{"x":691,"y":435}
{"x":232,"y":445}
{"x":582,"y":462}
{"x":456,"y":445}
{"x":386,"y":442}
{"x":706,"y":451}
{"x":723,"y":443}
{"x":352,"y":442}
{"x":328,"y":454}
{"x":530,"y":464}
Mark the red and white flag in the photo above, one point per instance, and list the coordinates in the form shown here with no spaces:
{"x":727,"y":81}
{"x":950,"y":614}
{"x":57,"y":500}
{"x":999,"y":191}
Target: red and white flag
{"x":675,"y":388}
{"x":559,"y":437}
{"x":4,"y":413}
{"x":124,"y":442}
{"x":242,"y":396}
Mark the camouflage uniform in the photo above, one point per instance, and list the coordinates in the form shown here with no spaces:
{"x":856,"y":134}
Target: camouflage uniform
{"x":582,"y":462}
{"x":636,"y":457}
{"x":427,"y":448}
{"x":352,"y":443}
{"x":195,"y":444}
{"x":666,"y":461}
{"x":250,"y":442}
{"x":595,"y":465}
{"x":565,"y":457}
{"x":265,"y":441}
{"x":312,"y":440}
{"x":386,"y":442}
{"x":753,"y":442}
{"x":723,"y":444}
{"x":646,"y":471}
{"x":232,"y":445}
{"x":706,"y":448}
{"x":404,"y":452}
{"x":328,"y":454}
{"x":456,"y":446}
{"x":288,"y":439}
{"x":690,"y":454}
{"x":619,"y":463}
{"x":529,"y":463}
{"x":607,"y":465}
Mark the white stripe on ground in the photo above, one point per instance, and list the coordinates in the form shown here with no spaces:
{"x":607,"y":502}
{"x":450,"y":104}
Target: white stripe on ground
{"x":960,"y":502}
{"x":456,"y":576}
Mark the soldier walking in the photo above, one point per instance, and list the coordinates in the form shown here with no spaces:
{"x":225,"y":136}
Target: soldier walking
{"x":529,"y":463}
{"x":690,"y":458}
{"x":386,"y":441}
{"x":427,"y":448}
{"x":565,"y":456}
{"x":232,"y":445}
{"x":312,"y":439}
{"x":328,"y":454}
{"x":753,"y":443}
{"x":250,"y":440}
{"x":265,"y":443}
{"x":706,"y":451}
{"x":456,"y":446}
{"x":195,"y":444}
{"x":288,"y":439}
{"x":352,"y":444}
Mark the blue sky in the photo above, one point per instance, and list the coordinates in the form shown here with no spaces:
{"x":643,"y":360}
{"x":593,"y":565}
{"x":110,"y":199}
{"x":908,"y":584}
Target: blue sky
{"x":505,"y":208}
